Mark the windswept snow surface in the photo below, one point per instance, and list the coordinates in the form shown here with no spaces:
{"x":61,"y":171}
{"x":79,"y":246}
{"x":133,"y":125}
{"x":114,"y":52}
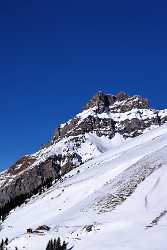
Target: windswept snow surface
{"x":120,"y":193}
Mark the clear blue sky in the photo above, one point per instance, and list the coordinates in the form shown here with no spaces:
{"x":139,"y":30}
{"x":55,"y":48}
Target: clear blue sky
{"x":54,"y":55}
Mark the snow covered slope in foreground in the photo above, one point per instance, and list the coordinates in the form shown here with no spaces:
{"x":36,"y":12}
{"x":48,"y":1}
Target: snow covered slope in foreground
{"x":116,"y":201}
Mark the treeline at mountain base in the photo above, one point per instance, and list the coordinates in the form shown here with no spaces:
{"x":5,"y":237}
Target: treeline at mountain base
{"x":54,"y":244}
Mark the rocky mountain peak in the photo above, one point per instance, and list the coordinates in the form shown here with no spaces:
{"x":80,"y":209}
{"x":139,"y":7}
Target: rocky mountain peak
{"x":107,"y":114}
{"x":121,"y":96}
{"x":103,"y":102}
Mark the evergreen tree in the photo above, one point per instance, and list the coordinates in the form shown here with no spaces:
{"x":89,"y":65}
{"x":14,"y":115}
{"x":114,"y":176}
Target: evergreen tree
{"x":64,"y":246}
{"x":56,"y":245}
{"x":49,"y":246}
{"x":52,"y":244}
{"x":2,"y":242}
{"x":6,"y":241}
{"x":2,"y":245}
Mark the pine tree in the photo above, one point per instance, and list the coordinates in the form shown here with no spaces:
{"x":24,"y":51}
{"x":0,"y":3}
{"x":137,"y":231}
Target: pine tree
{"x":2,"y":245}
{"x":6,"y":241}
{"x":64,"y":246}
{"x":58,"y":244}
{"x":49,"y":246}
{"x":52,"y":244}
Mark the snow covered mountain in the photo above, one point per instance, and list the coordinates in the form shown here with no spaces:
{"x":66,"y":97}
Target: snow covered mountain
{"x":116,"y":201}
{"x":107,"y":168}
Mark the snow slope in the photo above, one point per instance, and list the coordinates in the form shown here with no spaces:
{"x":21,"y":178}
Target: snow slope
{"x":121,"y":193}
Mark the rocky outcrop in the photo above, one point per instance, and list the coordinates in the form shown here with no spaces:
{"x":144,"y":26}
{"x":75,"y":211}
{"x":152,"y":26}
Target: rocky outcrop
{"x":30,"y":179}
{"x":132,"y":127}
{"x":100,"y":119}
{"x":101,"y":101}
{"x":100,"y":126}
{"x":120,"y":102}
{"x":21,"y":165}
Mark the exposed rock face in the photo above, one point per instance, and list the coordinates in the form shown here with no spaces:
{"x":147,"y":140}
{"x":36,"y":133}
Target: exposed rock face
{"x":100,"y":119}
{"x":121,"y":96}
{"x":102,"y":102}
{"x":100,"y":126}
{"x":133,"y":126}
{"x":27,"y":181}
{"x":21,"y":165}
{"x":74,"y":143}
{"x":105,"y":103}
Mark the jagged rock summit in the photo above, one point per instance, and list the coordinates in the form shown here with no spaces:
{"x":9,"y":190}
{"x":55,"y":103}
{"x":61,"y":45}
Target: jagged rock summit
{"x":108,"y":114}
{"x":103,"y":101}
{"x":106,"y":121}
